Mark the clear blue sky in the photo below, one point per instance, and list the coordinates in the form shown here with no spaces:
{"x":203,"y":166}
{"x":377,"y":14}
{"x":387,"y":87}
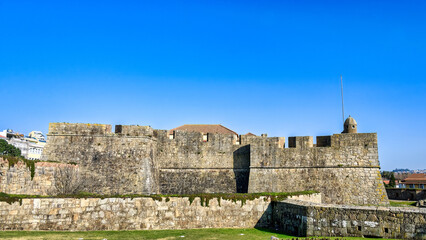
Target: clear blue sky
{"x":254,"y":66}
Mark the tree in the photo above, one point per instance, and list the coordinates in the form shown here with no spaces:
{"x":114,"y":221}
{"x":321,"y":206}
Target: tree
{"x":68,"y":180}
{"x":392,"y":181}
{"x":8,"y":149}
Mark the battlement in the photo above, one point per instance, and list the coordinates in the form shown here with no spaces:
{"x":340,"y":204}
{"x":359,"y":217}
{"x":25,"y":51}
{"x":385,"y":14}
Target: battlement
{"x":335,"y":140}
{"x":79,"y":129}
{"x":87,"y":129}
{"x":134,"y":130}
{"x":298,"y":142}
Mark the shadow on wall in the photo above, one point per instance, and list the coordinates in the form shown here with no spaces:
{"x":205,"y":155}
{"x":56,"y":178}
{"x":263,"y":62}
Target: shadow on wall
{"x":265,"y":221}
{"x":289,"y":219}
{"x":241,"y":159}
{"x":285,"y":222}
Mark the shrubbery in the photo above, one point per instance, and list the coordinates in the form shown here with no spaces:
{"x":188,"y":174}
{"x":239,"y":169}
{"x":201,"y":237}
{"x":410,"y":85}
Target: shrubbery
{"x":8,"y":149}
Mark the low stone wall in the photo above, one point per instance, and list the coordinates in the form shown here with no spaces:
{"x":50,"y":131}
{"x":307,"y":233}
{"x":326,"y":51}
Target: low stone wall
{"x":406,"y":194}
{"x":309,"y":219}
{"x":17,"y":179}
{"x":136,"y":214}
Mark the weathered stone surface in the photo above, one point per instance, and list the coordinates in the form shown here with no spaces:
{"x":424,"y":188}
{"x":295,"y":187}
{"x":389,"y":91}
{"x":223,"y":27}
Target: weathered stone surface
{"x":17,"y":179}
{"x":303,"y":215}
{"x":121,"y":163}
{"x":135,"y":214}
{"x":313,"y":219}
{"x":138,"y":159}
{"x":346,"y":171}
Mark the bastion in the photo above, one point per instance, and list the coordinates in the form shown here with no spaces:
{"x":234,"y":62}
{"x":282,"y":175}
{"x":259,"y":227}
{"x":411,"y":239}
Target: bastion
{"x":344,"y":167}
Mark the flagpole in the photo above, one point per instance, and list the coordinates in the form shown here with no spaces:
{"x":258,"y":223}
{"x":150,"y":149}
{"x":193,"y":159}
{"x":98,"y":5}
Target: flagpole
{"x":343,"y":108}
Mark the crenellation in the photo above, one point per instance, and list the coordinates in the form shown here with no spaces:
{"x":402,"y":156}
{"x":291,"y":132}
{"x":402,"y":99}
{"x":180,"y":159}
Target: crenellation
{"x":323,"y":141}
{"x":301,"y":142}
{"x":78,"y":129}
{"x":134,"y":130}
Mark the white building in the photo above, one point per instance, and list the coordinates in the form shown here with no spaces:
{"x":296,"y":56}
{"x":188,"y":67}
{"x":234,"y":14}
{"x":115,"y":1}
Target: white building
{"x":31,"y":147}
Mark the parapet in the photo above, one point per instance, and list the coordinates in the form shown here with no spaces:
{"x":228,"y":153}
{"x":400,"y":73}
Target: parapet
{"x":78,"y":129}
{"x":133,"y":130}
{"x":336,"y":140}
{"x":323,"y":141}
{"x":272,"y":141}
{"x":354,"y":139}
{"x":301,"y":142}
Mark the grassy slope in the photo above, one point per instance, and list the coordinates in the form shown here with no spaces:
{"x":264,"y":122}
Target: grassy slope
{"x":402,"y":203}
{"x":222,"y":234}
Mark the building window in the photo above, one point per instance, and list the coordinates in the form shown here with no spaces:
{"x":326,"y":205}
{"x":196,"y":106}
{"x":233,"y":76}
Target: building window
{"x":205,"y":138}
{"x":422,"y":186}
{"x":411,"y":186}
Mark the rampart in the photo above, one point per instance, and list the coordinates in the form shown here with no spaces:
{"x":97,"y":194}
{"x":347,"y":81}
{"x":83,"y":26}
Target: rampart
{"x":344,"y":167}
{"x":16,"y":179}
{"x":187,"y":164}
{"x":78,"y":214}
{"x":138,"y":159}
{"x":313,"y":219}
{"x":303,"y":215}
{"x":120,"y":162}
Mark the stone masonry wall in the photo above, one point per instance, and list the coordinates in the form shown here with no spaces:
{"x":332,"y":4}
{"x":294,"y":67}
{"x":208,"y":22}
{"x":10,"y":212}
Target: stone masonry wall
{"x":137,"y":159}
{"x":344,"y":167}
{"x":17,"y":178}
{"x":135,"y":214}
{"x":312,"y":219}
{"x":118,"y":163}
{"x":406,"y":194}
{"x":187,"y":164}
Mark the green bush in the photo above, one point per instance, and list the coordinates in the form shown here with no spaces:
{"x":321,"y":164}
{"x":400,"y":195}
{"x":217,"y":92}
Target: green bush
{"x":8,"y":149}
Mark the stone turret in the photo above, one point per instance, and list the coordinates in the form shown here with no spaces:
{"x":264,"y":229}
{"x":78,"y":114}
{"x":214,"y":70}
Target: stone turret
{"x":350,"y":125}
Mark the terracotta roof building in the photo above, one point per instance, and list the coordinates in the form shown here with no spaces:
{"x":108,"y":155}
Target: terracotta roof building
{"x":205,"y":128}
{"x":250,"y":134}
{"x":415,"y":180}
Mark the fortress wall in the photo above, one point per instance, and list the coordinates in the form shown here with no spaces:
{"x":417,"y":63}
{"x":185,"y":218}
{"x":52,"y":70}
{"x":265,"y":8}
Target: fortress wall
{"x":187,"y":164}
{"x":17,"y":178}
{"x":345,"y":170}
{"x":133,"y":130}
{"x":79,"y":128}
{"x":312,"y":219}
{"x":116,"y":163}
{"x":91,"y":214}
{"x":358,"y":149}
{"x":344,"y":167}
{"x":131,"y":214}
{"x":359,"y":186}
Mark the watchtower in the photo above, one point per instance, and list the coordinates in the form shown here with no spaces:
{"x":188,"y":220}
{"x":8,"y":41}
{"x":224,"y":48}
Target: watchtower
{"x":350,"y":125}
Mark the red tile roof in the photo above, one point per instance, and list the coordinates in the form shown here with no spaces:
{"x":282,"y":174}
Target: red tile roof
{"x":415,"y":178}
{"x":204,"y":128}
{"x":250,"y":134}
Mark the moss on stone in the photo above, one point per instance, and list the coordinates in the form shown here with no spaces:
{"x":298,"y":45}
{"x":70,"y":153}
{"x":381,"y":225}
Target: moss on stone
{"x":204,"y":197}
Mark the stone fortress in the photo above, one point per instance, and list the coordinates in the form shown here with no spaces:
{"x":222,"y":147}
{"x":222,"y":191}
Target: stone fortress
{"x":344,"y":168}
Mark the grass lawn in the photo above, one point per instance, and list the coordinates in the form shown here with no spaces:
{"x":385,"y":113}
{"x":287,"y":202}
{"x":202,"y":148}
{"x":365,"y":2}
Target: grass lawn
{"x":208,"y":233}
{"x":398,"y":203}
